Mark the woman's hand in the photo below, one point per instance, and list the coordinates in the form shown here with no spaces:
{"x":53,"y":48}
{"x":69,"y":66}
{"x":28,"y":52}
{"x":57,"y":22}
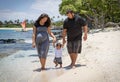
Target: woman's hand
{"x":33,"y":44}
{"x":54,"y":44}
{"x":54,"y":39}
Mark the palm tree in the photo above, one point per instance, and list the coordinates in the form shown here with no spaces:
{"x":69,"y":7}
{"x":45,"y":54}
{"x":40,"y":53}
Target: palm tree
{"x":6,"y":22}
{"x":10,"y":22}
{"x":1,"y":23}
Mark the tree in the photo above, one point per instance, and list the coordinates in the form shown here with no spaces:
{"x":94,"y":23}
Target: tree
{"x":65,"y":5}
{"x":10,"y":22}
{"x":97,"y":9}
{"x":17,"y":21}
{"x":101,"y":10}
{"x":32,"y":22}
{"x":5,"y":22}
{"x":1,"y":23}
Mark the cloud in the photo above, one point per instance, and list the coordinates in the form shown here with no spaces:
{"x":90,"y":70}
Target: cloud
{"x":13,"y":15}
{"x":50,"y":7}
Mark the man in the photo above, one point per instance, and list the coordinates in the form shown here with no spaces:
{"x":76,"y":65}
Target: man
{"x":72,"y":27}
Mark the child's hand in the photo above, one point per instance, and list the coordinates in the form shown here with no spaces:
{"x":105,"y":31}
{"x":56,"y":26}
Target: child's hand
{"x":62,"y":45}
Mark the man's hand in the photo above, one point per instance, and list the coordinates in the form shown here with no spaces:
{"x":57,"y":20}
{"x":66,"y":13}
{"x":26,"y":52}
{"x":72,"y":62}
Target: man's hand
{"x":64,"y":41}
{"x":85,"y":32}
{"x":63,"y":36}
{"x":85,"y":37}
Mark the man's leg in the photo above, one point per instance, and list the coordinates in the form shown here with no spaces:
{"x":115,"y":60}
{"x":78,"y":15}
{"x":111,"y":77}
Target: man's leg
{"x":73,"y":57}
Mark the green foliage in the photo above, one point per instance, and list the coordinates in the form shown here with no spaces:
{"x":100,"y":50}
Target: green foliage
{"x":69,"y":4}
{"x":110,"y":9}
{"x":16,"y":23}
{"x":57,"y":23}
{"x":66,"y":8}
{"x":98,"y":12}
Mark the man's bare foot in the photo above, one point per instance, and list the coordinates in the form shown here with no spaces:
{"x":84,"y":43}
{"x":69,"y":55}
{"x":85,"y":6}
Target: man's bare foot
{"x":71,"y":66}
{"x":43,"y":69}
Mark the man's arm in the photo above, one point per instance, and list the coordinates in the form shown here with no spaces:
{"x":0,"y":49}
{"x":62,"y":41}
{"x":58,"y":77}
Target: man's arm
{"x":63,"y":35}
{"x":85,"y":28}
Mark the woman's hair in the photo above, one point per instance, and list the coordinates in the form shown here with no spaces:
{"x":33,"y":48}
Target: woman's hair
{"x":47,"y":23}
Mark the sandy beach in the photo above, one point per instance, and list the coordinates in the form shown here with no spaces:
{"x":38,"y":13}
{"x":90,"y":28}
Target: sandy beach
{"x":98,"y":62}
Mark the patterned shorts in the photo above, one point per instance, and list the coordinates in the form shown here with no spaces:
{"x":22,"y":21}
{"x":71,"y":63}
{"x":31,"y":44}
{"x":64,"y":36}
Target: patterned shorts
{"x":74,"y":46}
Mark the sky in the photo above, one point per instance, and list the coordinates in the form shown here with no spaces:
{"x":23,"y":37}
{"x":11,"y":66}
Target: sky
{"x":28,"y":9}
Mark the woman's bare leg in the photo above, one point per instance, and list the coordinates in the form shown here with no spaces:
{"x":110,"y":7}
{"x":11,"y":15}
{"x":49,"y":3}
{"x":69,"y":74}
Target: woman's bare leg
{"x":42,"y":61}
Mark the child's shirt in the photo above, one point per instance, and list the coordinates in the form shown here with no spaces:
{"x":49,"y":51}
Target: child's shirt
{"x":58,"y":53}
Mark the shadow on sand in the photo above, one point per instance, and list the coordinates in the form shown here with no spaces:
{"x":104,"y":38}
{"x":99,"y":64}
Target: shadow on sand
{"x":77,"y":65}
{"x":33,"y":55}
{"x":39,"y":70}
{"x":66,"y":68}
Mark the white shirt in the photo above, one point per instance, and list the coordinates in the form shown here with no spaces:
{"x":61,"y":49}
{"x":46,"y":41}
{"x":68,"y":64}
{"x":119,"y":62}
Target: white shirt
{"x":58,"y":53}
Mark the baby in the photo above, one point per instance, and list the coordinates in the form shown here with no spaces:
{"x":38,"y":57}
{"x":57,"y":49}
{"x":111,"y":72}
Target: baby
{"x":58,"y":55}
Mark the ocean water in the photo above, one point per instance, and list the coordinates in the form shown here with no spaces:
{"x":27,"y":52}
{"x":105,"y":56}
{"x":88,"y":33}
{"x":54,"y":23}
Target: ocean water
{"x":20,"y":40}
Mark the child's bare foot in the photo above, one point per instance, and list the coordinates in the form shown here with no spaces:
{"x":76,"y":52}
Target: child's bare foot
{"x":60,"y":66}
{"x":56,"y":65}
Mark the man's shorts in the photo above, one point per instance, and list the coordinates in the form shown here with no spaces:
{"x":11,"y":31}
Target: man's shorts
{"x":74,"y":46}
{"x":58,"y":60}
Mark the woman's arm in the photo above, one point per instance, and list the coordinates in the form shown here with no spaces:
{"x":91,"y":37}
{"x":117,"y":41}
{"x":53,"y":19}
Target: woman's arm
{"x":52,"y":35}
{"x":34,"y":37}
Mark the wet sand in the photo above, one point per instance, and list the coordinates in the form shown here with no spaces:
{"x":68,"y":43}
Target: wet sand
{"x":98,"y":62}
{"x":24,"y":66}
{"x":7,"y":53}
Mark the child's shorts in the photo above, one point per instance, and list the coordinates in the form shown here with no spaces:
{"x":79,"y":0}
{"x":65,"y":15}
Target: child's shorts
{"x":58,"y":60}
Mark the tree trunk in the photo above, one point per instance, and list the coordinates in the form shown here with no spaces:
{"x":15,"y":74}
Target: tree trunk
{"x":102,"y":21}
{"x":96,"y":22}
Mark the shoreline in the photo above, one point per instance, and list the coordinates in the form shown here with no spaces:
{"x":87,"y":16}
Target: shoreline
{"x":18,"y":29}
{"x":30,"y":28}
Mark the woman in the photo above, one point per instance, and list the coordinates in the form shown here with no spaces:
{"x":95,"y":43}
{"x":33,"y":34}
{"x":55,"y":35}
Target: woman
{"x":40,"y":38}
